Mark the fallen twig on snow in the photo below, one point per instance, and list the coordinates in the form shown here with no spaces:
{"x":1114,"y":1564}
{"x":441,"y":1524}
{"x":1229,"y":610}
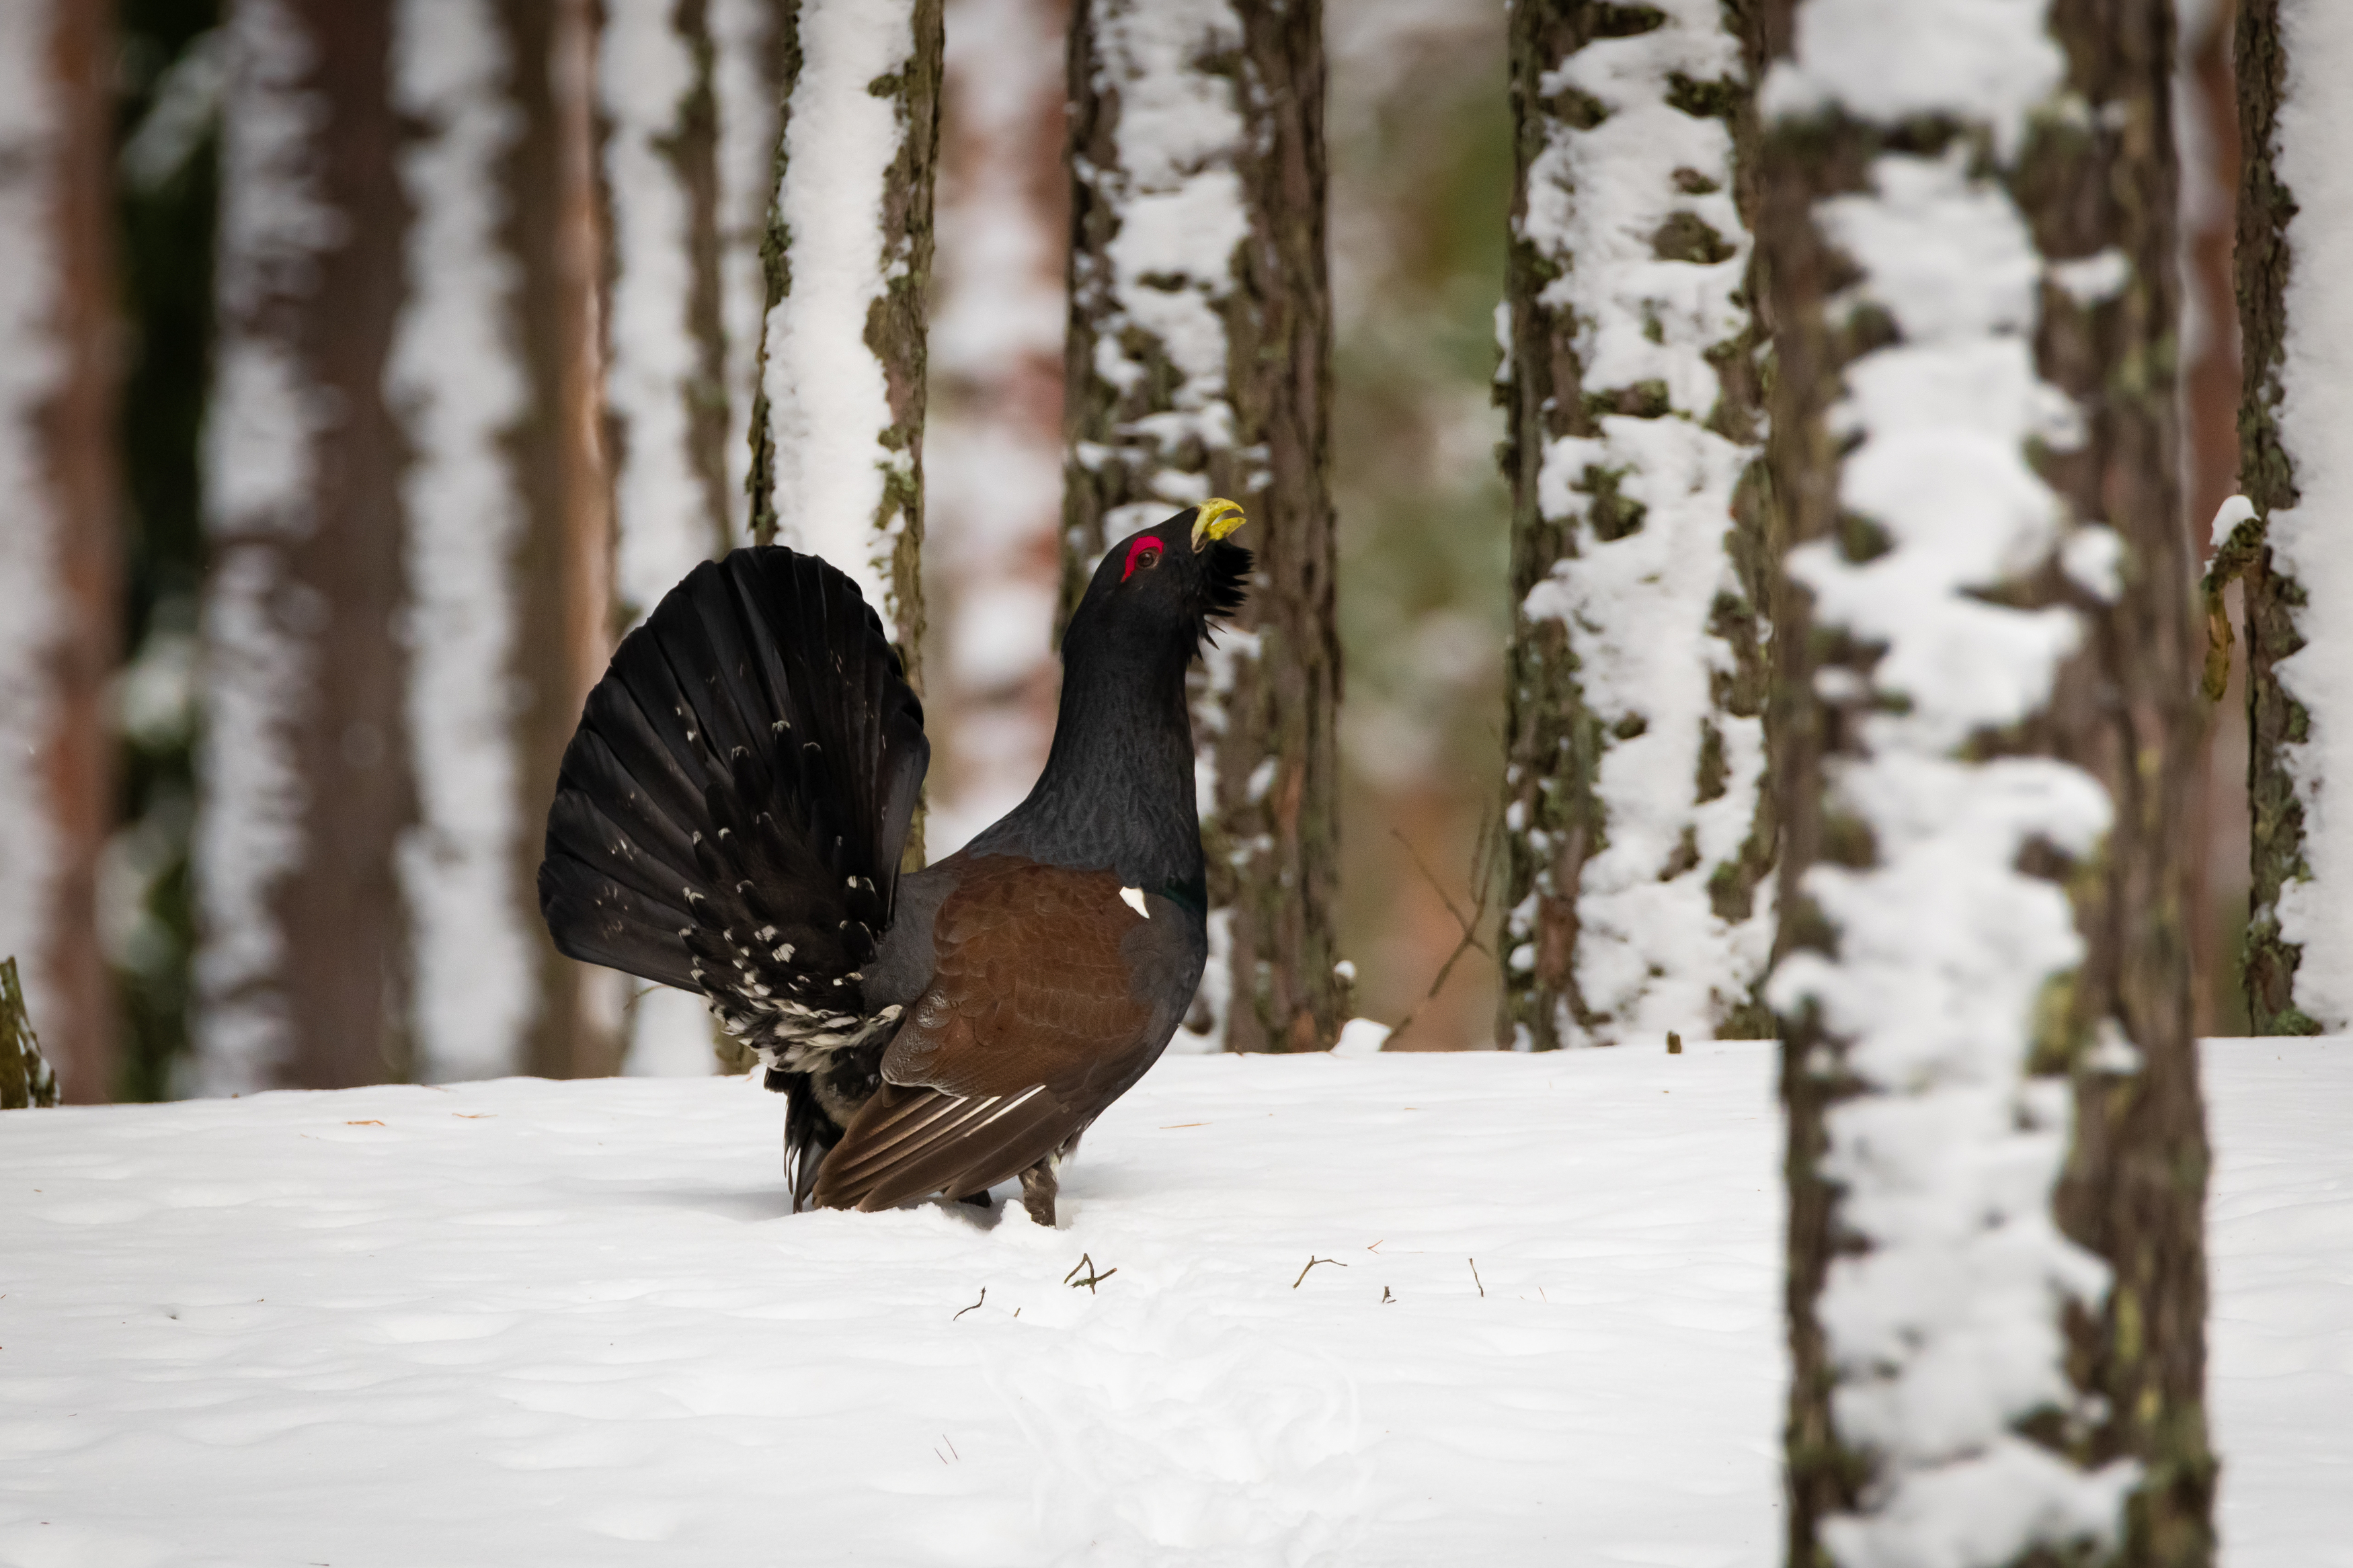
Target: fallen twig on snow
{"x":1312,"y":1262}
{"x":975,"y":1306}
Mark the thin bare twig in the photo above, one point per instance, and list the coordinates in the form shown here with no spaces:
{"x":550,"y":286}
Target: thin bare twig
{"x":1482,"y":880}
{"x":1312,"y":1262}
{"x":1475,"y":1277}
{"x":1092,"y":1278}
{"x":975,"y":1306}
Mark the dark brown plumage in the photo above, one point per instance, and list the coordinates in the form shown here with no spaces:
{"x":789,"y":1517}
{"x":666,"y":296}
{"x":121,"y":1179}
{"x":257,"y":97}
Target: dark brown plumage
{"x":731,"y":816}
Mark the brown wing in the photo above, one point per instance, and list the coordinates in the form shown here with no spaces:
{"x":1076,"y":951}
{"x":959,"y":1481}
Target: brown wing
{"x":1031,"y":1027}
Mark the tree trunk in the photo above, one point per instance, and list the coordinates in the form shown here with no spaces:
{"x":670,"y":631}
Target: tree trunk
{"x":666,"y":384}
{"x":27,"y":1080}
{"x":1996,"y":1158}
{"x":303,"y":770}
{"x":60,"y":640}
{"x":2299,"y":974}
{"x":564,"y":566}
{"x":839,"y":416}
{"x":1636,"y":829}
{"x":1199,"y":364}
{"x":993,"y":446}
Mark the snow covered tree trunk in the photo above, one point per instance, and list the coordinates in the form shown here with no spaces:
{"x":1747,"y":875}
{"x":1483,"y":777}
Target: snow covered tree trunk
{"x":58,"y":635}
{"x":304,"y":781}
{"x":666,"y":382}
{"x":509,"y":548}
{"x":688,"y":105}
{"x":1984,"y":747}
{"x":1635,"y":821}
{"x":2293,"y":326}
{"x":1198,"y":364}
{"x":838,"y":468}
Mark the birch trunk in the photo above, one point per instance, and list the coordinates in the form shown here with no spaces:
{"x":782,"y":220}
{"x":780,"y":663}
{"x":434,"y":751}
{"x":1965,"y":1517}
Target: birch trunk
{"x":1637,"y":832}
{"x":58,"y":641}
{"x":2292,"y":125}
{"x":1985,"y":755}
{"x":303,"y":778}
{"x":1199,"y":364}
{"x":837,"y":419}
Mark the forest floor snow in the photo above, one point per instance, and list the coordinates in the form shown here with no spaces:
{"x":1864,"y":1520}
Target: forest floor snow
{"x":522,"y":1322}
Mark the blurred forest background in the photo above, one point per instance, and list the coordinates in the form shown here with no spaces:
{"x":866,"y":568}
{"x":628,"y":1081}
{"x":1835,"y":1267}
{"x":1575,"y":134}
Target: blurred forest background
{"x":1419,"y":127}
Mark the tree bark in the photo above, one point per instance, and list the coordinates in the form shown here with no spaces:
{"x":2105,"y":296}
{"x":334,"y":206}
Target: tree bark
{"x":1636,"y":831}
{"x":2042,"y":1018}
{"x":307,"y":791}
{"x":26,"y":1078}
{"x":57,"y":538}
{"x":1207,"y":371}
{"x":837,"y":419}
{"x":2279,"y":726}
{"x":565,"y":565}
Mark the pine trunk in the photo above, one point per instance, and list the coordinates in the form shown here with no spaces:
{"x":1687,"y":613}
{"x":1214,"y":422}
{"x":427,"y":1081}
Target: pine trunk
{"x":2294,"y":985}
{"x":1984,"y":965}
{"x":1636,"y":829}
{"x":303,"y":776}
{"x":58,"y":536}
{"x":1199,"y":364}
{"x":837,"y":419}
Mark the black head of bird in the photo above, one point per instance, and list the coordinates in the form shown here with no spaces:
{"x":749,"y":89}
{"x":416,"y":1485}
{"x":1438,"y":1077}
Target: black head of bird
{"x":730,"y":820}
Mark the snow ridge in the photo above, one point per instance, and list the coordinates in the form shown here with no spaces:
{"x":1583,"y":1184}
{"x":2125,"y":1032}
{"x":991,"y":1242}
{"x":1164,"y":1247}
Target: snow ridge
{"x":1945,"y":1328}
{"x":1637,"y":212}
{"x":2307,"y":539}
{"x":31,"y":369}
{"x":454,"y":381}
{"x":261,"y":440}
{"x":829,"y":398}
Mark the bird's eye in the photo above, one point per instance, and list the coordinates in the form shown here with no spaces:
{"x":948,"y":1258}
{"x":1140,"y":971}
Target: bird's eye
{"x":1144,"y":552}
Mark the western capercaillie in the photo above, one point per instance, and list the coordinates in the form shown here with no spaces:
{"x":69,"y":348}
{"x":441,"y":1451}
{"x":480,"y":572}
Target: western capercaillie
{"x":729,"y":819}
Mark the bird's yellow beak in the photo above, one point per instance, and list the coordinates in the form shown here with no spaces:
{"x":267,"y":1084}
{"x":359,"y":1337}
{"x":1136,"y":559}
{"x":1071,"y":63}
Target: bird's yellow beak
{"x":1216,"y":518}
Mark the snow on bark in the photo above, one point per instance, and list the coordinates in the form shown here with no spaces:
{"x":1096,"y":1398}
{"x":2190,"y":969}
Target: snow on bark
{"x":842,"y":422}
{"x":262,"y":440}
{"x":1630,"y":299}
{"x":1197,"y":364}
{"x":455,"y":380}
{"x":1927,"y":952}
{"x":2302,"y":479}
{"x":32,"y":371}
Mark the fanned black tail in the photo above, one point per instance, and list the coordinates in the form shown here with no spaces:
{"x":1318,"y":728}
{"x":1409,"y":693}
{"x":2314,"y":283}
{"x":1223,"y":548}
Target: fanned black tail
{"x":730,"y":815}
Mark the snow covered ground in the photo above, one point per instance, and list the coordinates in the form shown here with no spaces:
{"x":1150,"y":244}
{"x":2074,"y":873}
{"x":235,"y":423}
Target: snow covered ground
{"x":521,"y":1322}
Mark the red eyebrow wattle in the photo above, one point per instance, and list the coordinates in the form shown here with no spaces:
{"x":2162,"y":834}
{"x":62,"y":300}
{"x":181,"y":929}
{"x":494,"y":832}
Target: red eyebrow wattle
{"x":1147,"y":542}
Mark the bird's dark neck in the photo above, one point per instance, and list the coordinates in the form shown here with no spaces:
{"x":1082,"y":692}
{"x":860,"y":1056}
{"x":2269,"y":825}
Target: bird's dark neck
{"x":1117,"y":790}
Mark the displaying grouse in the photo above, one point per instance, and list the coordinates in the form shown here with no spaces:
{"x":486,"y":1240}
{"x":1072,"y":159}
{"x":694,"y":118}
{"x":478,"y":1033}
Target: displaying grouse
{"x":729,"y":819}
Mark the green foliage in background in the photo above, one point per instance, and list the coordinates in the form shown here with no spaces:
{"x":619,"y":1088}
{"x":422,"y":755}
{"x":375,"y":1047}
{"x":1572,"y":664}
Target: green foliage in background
{"x":166,"y":129}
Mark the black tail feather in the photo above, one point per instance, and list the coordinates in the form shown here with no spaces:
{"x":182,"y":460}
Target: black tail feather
{"x":730,"y":815}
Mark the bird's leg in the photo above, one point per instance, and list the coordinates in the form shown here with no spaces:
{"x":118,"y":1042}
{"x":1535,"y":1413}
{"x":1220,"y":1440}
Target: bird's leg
{"x":1038,"y":1189}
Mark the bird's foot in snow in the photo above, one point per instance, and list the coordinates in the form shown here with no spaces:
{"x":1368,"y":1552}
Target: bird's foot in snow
{"x":1038,"y":1189}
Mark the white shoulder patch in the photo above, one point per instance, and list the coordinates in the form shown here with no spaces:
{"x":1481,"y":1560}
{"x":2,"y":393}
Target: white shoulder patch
{"x":1133,"y":899}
